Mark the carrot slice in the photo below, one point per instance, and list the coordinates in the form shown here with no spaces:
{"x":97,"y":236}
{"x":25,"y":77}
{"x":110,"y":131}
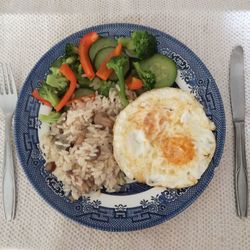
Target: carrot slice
{"x":134,"y":83}
{"x":36,"y":95}
{"x":69,"y":74}
{"x":103,"y":72}
{"x":84,"y":46}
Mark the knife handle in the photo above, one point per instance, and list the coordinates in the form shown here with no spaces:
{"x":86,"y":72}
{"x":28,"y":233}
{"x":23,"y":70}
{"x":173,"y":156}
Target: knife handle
{"x":241,"y":183}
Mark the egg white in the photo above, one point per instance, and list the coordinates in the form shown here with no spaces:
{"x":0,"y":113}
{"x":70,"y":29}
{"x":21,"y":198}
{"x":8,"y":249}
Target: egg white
{"x":164,"y":138}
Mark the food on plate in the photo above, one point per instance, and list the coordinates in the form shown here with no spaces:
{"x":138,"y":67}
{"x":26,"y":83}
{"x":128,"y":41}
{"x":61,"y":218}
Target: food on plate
{"x":164,"y":138}
{"x":117,"y":64}
{"x":79,"y":145}
{"x":164,"y":70}
{"x":141,"y":44}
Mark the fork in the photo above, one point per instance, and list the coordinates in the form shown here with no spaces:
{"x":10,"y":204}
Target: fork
{"x":8,"y":100}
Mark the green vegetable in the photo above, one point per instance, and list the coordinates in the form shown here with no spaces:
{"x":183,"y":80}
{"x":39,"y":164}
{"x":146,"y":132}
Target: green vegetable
{"x":102,"y":55}
{"x":117,"y":64}
{"x":80,"y":69}
{"x":141,"y":44}
{"x":104,"y":88}
{"x":99,"y":45}
{"x":147,"y":77}
{"x":48,"y":93}
{"x":76,"y":68}
{"x":75,"y":65}
{"x":58,"y":62}
{"x":59,"y":82}
{"x":83,"y":92}
{"x":52,"y":117}
{"x":70,"y":60}
{"x":55,"y":71}
{"x":83,"y":81}
{"x":55,"y":79}
{"x":164,"y":69}
{"x":71,"y":50}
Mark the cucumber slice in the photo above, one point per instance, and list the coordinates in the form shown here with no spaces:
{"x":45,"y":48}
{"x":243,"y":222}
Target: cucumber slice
{"x":164,"y":69}
{"x":83,"y":92}
{"x":101,"y":44}
{"x":83,"y":81}
{"x":101,"y":56}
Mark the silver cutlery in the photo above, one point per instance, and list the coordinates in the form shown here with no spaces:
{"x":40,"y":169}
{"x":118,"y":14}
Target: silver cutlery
{"x":237,"y":91}
{"x":8,"y":100}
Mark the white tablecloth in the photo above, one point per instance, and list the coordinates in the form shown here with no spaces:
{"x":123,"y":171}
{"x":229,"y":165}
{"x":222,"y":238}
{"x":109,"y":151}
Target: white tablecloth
{"x":211,"y":29}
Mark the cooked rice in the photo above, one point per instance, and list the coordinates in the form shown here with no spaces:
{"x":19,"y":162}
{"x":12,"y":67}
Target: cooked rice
{"x":82,"y":150}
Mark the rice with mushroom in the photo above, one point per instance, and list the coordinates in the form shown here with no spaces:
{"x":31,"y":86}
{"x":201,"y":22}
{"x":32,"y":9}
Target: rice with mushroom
{"x":79,"y":146}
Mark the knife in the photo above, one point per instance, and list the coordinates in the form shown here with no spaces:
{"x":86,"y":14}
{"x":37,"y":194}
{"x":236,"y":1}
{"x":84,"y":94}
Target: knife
{"x":237,"y":92}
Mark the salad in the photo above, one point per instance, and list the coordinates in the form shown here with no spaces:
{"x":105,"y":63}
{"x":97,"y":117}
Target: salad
{"x":98,"y":64}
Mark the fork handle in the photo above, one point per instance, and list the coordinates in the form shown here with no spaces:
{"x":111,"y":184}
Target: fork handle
{"x":9,"y":190}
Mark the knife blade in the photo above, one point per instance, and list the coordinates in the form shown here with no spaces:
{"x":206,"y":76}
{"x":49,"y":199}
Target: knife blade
{"x":237,"y":92}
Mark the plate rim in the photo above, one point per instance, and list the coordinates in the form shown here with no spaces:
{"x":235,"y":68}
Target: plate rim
{"x":148,"y":223}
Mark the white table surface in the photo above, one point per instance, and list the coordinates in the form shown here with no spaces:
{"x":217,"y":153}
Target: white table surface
{"x":211,"y":29}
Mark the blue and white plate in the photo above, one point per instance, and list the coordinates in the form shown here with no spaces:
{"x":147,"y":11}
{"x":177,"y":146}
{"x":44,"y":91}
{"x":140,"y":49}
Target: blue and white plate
{"x":137,"y":206}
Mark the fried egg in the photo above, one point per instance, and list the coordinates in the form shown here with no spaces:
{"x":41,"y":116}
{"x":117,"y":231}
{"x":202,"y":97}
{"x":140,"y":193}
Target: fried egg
{"x":164,"y":138}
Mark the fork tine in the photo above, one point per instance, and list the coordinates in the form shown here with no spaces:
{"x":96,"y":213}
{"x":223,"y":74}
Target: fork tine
{"x":1,"y":80}
{"x":12,"y":80}
{"x":6,"y":80}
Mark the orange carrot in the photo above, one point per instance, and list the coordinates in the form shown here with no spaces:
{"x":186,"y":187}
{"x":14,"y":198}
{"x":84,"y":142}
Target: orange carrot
{"x":84,"y":46}
{"x":133,"y":83}
{"x":103,"y":72}
{"x":69,"y":74}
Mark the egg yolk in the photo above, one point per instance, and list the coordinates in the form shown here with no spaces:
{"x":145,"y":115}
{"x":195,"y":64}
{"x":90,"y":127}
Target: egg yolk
{"x":178,"y":150}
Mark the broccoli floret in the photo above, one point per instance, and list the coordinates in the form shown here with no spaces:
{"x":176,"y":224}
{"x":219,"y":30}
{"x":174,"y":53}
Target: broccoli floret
{"x":52,"y":117}
{"x":80,"y":69}
{"x":146,"y":76}
{"x":71,"y":50}
{"x":55,"y":71}
{"x":56,"y":80}
{"x":71,"y":60}
{"x":77,"y":69}
{"x":105,"y":87}
{"x":59,"y":82}
{"x":58,"y":62}
{"x":48,"y":93}
{"x":141,"y":44}
{"x":117,"y":64}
